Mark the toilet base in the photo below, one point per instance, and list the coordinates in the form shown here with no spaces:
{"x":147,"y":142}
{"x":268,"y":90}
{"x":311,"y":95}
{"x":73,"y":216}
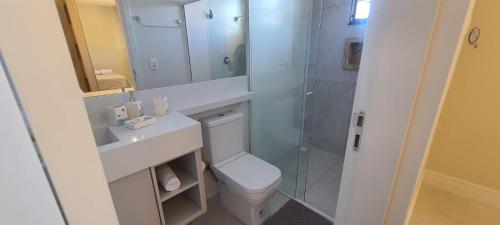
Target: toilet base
{"x":250,"y":214}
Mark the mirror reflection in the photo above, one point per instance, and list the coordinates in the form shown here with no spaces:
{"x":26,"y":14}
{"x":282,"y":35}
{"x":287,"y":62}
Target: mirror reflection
{"x":119,"y":45}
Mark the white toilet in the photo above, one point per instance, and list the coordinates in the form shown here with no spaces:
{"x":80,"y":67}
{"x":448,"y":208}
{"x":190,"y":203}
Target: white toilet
{"x":246,"y":183}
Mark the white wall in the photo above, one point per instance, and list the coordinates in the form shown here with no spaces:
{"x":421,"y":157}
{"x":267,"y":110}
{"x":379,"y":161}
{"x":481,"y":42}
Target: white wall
{"x":24,"y":181}
{"x":447,"y":35}
{"x":168,"y":45}
{"x":38,"y":60}
{"x":465,"y":144}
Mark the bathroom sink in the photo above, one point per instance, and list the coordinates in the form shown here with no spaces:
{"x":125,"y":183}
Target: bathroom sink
{"x":172,"y":136}
{"x":105,"y":137}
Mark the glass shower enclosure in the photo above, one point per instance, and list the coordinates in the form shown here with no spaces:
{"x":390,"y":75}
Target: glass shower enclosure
{"x":304,"y":57}
{"x":279,"y":37}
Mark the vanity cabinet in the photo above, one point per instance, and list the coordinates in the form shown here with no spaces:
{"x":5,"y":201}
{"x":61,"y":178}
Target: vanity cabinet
{"x":131,"y":163}
{"x":140,"y":199}
{"x":134,"y":199}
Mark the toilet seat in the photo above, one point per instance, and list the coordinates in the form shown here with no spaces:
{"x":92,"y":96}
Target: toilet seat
{"x":249,"y":175}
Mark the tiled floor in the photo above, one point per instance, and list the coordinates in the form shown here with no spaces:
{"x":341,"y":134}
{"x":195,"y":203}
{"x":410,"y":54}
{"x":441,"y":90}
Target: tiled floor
{"x":438,"y":207}
{"x":217,"y":215}
{"x":323,"y":180}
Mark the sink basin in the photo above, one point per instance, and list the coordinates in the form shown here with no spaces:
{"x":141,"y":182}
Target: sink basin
{"x":105,"y":137}
{"x":172,"y":136}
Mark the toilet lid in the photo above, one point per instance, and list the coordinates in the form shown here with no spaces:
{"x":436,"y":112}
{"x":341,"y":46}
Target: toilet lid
{"x":251,"y":174}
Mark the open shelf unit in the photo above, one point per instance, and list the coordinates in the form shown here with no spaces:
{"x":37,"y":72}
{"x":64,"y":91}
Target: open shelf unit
{"x":181,"y":206}
{"x":187,"y":181}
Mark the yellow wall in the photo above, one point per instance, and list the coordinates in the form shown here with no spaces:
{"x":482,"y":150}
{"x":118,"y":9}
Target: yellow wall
{"x":467,"y":140}
{"x":105,"y":38}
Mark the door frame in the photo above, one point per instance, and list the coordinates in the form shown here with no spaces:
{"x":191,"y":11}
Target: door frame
{"x":44,"y":78}
{"x":399,"y":108}
{"x":82,"y":48}
{"x":27,"y":184}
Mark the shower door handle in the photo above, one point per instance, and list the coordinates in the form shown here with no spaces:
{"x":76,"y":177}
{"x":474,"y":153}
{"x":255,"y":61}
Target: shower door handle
{"x":359,"y":121}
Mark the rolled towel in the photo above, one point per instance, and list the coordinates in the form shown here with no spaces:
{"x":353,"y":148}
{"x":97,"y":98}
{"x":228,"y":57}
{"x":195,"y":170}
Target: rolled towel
{"x":97,"y":72}
{"x":106,"y":71}
{"x":168,"y":179}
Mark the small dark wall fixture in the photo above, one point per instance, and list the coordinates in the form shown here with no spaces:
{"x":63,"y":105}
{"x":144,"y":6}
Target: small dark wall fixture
{"x":474,"y":36}
{"x":352,"y":54}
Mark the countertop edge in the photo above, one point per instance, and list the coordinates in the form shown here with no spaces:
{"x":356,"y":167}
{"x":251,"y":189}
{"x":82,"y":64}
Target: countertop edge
{"x":216,"y":103}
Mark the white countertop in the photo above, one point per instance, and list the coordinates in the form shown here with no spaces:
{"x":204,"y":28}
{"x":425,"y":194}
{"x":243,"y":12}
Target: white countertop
{"x":172,"y":136}
{"x":171,"y":122}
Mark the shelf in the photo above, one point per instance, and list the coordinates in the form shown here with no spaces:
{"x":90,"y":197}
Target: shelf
{"x":181,"y":206}
{"x":180,"y":210}
{"x":187,"y":181}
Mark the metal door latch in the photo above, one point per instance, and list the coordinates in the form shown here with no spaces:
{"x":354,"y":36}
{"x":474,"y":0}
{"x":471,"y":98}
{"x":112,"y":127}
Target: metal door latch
{"x":359,"y":120}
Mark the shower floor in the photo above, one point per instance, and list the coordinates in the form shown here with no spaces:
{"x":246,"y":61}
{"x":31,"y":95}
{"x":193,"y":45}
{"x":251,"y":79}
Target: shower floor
{"x":323,"y":178}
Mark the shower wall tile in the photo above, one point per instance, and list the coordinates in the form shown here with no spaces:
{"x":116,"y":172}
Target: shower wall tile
{"x":311,"y":71}
{"x":314,"y":36}
{"x":335,"y":87}
{"x":351,"y":77}
{"x":334,"y":32}
{"x":318,"y":4}
{"x":329,"y":66}
{"x":332,"y":114}
{"x":336,"y":3}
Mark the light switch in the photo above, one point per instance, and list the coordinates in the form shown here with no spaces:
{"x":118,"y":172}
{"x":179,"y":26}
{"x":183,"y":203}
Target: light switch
{"x":154,"y":64}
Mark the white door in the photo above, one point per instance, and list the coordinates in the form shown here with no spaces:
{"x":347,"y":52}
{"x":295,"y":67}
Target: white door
{"x":26,"y":195}
{"x":397,"y":39}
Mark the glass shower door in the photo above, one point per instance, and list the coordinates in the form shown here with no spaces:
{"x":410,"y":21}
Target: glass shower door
{"x":278,"y":51}
{"x":227,"y":30}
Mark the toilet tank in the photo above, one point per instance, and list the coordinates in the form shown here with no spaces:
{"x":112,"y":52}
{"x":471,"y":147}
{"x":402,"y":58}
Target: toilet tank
{"x":222,"y":136}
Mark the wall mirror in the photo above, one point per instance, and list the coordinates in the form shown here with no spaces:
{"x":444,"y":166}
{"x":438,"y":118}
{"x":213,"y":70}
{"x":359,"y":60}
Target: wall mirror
{"x":121,"y":45}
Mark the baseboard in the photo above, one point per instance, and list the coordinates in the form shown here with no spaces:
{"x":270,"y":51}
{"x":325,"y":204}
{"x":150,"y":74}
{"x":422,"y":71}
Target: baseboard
{"x":463,"y":188}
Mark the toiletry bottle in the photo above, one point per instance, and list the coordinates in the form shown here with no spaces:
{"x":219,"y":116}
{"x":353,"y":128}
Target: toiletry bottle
{"x":134,"y":107}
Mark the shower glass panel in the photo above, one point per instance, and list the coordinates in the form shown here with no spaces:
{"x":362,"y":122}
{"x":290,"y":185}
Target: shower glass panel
{"x":279,"y":38}
{"x":227,"y":37}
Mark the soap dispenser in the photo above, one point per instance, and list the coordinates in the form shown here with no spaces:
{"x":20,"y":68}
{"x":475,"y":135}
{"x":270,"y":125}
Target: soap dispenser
{"x":134,"y":107}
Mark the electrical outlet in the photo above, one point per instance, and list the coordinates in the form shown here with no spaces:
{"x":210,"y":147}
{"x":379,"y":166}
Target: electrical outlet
{"x":154,"y":64}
